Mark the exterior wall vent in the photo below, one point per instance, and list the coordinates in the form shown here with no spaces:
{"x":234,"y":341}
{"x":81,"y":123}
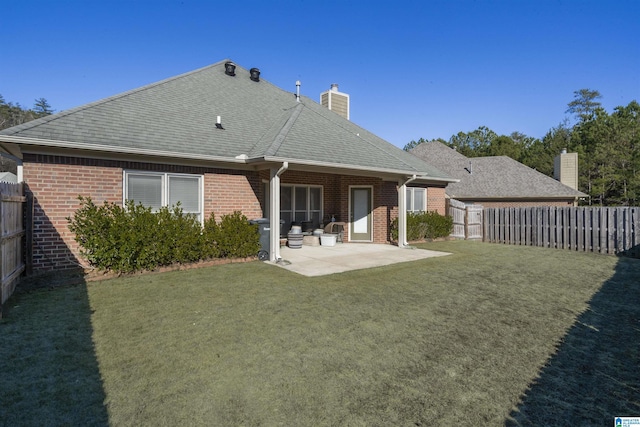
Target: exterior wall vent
{"x":254,"y":74}
{"x":230,"y":68}
{"x":336,"y":101}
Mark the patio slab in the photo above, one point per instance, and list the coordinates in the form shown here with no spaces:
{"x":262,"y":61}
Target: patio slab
{"x":323,"y":260}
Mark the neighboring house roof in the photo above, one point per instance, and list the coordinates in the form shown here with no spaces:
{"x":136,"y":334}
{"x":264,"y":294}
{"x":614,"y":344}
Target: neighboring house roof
{"x":497,"y":177}
{"x":8,"y":177}
{"x":176,"y":118}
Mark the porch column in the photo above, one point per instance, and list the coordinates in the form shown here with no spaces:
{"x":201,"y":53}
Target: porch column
{"x":402,"y":214}
{"x":274,"y":212}
{"x":402,"y":211}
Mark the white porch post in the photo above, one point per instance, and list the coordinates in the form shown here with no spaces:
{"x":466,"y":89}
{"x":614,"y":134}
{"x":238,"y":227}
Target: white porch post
{"x":402,"y":214}
{"x":274,"y":212}
{"x":20,"y":170}
{"x":402,"y":211}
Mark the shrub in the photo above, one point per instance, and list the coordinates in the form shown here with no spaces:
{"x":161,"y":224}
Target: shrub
{"x":132,"y":237}
{"x":424,"y":225}
{"x":236,"y":238}
{"x":209,"y":244}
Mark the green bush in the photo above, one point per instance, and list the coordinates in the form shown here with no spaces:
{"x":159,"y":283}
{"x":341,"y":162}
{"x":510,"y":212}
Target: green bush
{"x":210,"y":232}
{"x":424,"y":225}
{"x":236,"y":238}
{"x":132,"y":237}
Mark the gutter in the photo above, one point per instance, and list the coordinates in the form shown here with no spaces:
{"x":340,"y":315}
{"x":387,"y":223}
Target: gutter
{"x":358,"y":168}
{"x":114,"y":149}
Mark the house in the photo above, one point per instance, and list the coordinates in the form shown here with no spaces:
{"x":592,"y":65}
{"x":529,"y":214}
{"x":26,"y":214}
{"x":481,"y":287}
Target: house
{"x":217,"y":139}
{"x":497,"y":181}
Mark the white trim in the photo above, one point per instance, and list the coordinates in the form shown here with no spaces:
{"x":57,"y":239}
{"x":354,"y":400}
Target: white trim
{"x":274,"y":212}
{"x":412,"y":190}
{"x":402,"y":211}
{"x":164,"y":196}
{"x":36,"y":145}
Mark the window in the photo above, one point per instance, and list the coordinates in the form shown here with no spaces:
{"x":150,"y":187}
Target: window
{"x":416,"y":199}
{"x":164,"y":189}
{"x":300,"y":203}
{"x":297,"y":203}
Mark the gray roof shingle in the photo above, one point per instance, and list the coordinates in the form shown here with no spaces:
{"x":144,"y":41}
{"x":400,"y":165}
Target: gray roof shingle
{"x":491,"y":177}
{"x":177,"y":117}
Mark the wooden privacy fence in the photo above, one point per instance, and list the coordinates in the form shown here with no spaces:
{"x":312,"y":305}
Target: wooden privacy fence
{"x":12,"y":234}
{"x":467,"y":220}
{"x":602,"y":230}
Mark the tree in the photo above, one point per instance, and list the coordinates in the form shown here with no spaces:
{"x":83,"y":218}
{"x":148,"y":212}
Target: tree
{"x":413,"y":144}
{"x":584,"y":103}
{"x":13,"y":114}
{"x":539,"y":154}
{"x":42,"y":108}
{"x":474,"y":143}
{"x":610,"y":164}
{"x":504,"y":146}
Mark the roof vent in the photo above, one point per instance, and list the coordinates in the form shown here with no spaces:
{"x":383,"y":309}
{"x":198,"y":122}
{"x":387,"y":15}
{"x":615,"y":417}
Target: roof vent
{"x":254,"y":74}
{"x":230,"y":68}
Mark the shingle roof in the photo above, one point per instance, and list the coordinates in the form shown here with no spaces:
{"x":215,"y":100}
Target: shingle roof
{"x":491,"y":177}
{"x":177,"y":117}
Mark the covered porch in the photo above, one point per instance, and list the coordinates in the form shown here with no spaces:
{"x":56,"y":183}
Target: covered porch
{"x":365,"y":202}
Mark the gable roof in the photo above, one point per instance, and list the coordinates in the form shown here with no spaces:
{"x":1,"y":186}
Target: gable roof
{"x":496,"y":177}
{"x":176,"y":118}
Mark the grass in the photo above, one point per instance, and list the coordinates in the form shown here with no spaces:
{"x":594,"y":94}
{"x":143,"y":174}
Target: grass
{"x":491,"y":335}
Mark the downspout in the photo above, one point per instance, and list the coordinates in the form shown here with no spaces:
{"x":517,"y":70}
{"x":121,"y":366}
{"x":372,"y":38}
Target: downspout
{"x":274,"y":212}
{"x":402,"y":211}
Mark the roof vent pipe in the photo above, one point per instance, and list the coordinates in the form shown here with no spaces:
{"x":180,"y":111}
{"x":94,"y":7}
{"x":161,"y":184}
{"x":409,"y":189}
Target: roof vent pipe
{"x":298,"y":90}
{"x":254,"y":74}
{"x":230,"y":68}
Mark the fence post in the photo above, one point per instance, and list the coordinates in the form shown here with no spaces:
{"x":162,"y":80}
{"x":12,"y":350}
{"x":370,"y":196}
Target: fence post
{"x":28,"y":233}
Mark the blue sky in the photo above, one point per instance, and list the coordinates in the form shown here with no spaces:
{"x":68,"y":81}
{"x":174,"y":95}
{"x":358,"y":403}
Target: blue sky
{"x":412,"y":69}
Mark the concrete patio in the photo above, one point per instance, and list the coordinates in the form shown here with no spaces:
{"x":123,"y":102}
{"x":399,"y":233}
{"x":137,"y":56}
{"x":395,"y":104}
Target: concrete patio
{"x":322,"y":260}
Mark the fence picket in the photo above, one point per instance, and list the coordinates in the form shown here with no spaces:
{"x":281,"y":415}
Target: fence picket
{"x":12,"y":234}
{"x":604,"y":230}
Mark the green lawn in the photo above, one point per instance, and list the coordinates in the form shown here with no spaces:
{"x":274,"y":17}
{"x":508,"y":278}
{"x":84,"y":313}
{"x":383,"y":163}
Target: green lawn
{"x":491,"y":335}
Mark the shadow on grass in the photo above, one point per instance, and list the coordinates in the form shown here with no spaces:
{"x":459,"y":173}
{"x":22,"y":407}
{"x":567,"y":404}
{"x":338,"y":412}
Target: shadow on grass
{"x":50,"y":374}
{"x":595,"y":374}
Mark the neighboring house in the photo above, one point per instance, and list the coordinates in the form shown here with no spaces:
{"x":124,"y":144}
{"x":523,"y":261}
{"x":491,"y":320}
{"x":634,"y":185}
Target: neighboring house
{"x":497,"y":181}
{"x":217,"y":139}
{"x":8,"y":177}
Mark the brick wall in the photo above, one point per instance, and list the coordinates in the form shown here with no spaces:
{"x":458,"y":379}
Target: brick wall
{"x":56,"y":182}
{"x":436,"y":200}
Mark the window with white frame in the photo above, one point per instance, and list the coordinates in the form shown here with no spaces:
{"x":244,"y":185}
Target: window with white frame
{"x":416,"y":199}
{"x":297,"y":203}
{"x":156,"y":189}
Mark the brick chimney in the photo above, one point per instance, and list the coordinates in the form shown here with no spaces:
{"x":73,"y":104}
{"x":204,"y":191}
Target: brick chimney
{"x":565,"y":168}
{"x":336,"y":101}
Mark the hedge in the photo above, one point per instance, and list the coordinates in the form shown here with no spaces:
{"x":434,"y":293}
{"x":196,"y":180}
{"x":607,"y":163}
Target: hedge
{"x":132,"y":237}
